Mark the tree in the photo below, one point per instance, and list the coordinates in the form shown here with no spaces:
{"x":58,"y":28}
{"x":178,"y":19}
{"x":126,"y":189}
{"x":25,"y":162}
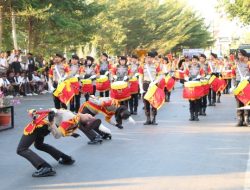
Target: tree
{"x":237,"y":8}
{"x":127,"y":25}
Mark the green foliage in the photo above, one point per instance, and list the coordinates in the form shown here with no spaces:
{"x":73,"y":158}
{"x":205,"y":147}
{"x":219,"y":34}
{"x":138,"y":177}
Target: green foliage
{"x":114,"y":26}
{"x":127,"y":25}
{"x":237,"y":8}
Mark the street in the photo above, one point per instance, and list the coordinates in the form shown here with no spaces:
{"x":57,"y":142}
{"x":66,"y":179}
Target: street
{"x":176,"y":155}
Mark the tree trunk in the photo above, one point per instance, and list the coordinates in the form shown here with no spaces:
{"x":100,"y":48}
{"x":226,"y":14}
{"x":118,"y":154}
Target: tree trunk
{"x":30,"y":33}
{"x":13,"y":24}
{"x":1,"y":27}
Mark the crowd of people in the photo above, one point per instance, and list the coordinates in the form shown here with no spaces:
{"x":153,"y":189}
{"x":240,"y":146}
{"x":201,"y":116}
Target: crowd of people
{"x":113,"y":87}
{"x":22,"y":75}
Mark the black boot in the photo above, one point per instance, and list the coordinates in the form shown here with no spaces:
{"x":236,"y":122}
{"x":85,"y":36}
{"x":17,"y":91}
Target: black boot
{"x":44,"y":172}
{"x":119,"y":126}
{"x":240,"y":121}
{"x":66,"y":161}
{"x":191,"y":116}
{"x":131,"y":108}
{"x":148,"y":121}
{"x":200,"y":111}
{"x":213,"y":103}
{"x":246,"y":119}
{"x":154,"y":120}
{"x":218,"y":99}
{"x":196,"y":118}
{"x":209,"y":104}
{"x":96,"y":140}
{"x":204,"y":111}
{"x":135,"y":111}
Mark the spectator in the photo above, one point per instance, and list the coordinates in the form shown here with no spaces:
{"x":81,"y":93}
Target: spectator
{"x":24,"y":85}
{"x":31,"y":63}
{"x":36,"y":83}
{"x":6,"y":86}
{"x":3,"y":63}
{"x":24,"y":63}
{"x":16,"y":66}
{"x":12,"y":79}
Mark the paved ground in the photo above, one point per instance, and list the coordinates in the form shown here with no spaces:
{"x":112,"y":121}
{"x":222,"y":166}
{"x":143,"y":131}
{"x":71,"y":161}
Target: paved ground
{"x":175,"y":155}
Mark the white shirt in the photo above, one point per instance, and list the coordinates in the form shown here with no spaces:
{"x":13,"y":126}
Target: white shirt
{"x":6,"y":82}
{"x":3,"y":63}
{"x":36,"y":78}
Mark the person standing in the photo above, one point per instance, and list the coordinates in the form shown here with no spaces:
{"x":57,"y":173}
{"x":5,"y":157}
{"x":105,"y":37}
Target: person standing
{"x":212,"y":71}
{"x":74,"y":72}
{"x":242,"y":71}
{"x":90,"y":72}
{"x":102,"y":69}
{"x":193,"y":73}
{"x":57,"y":74}
{"x":204,"y":66}
{"x":149,"y":72}
{"x":121,"y":73}
{"x":133,"y":101}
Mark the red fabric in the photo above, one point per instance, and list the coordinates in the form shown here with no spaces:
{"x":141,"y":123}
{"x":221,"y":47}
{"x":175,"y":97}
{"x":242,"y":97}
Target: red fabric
{"x":179,"y":74}
{"x":76,"y":87}
{"x":162,"y":83}
{"x":103,"y":86}
{"x":134,"y":87}
{"x":66,"y":96}
{"x":140,"y":69}
{"x":87,"y":88}
{"x":244,"y":96}
{"x":206,"y":89}
{"x":193,"y":93}
{"x":158,"y":98}
{"x":120,"y":94}
{"x":170,"y":84}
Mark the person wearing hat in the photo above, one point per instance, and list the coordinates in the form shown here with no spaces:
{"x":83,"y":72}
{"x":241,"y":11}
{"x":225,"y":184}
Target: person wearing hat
{"x":103,"y":68}
{"x":109,"y":108}
{"x":57,"y":74}
{"x":193,"y":73}
{"x":52,"y":121}
{"x":90,"y":72}
{"x":150,"y":73}
{"x":75,"y":71}
{"x":204,"y":66}
{"x":212,"y":70}
{"x":242,"y":72}
{"x":227,"y":66}
{"x":166,"y":68}
{"x":133,"y":101}
{"x":121,"y":72}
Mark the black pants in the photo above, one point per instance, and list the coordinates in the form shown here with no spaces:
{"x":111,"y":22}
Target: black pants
{"x":106,"y":93}
{"x":75,"y":103}
{"x":90,"y":133}
{"x":194,"y":106}
{"x":203,"y":101}
{"x":37,"y":137}
{"x":229,"y":85}
{"x":211,"y":96}
{"x":133,"y":102}
{"x":58,"y":103}
{"x":167,"y":94}
{"x":147,"y":105}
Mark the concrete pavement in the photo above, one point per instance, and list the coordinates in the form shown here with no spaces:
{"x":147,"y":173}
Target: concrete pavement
{"x":176,"y":155}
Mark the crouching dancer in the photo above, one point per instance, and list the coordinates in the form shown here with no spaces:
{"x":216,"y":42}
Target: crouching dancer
{"x":57,"y":122}
{"x":109,"y":108}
